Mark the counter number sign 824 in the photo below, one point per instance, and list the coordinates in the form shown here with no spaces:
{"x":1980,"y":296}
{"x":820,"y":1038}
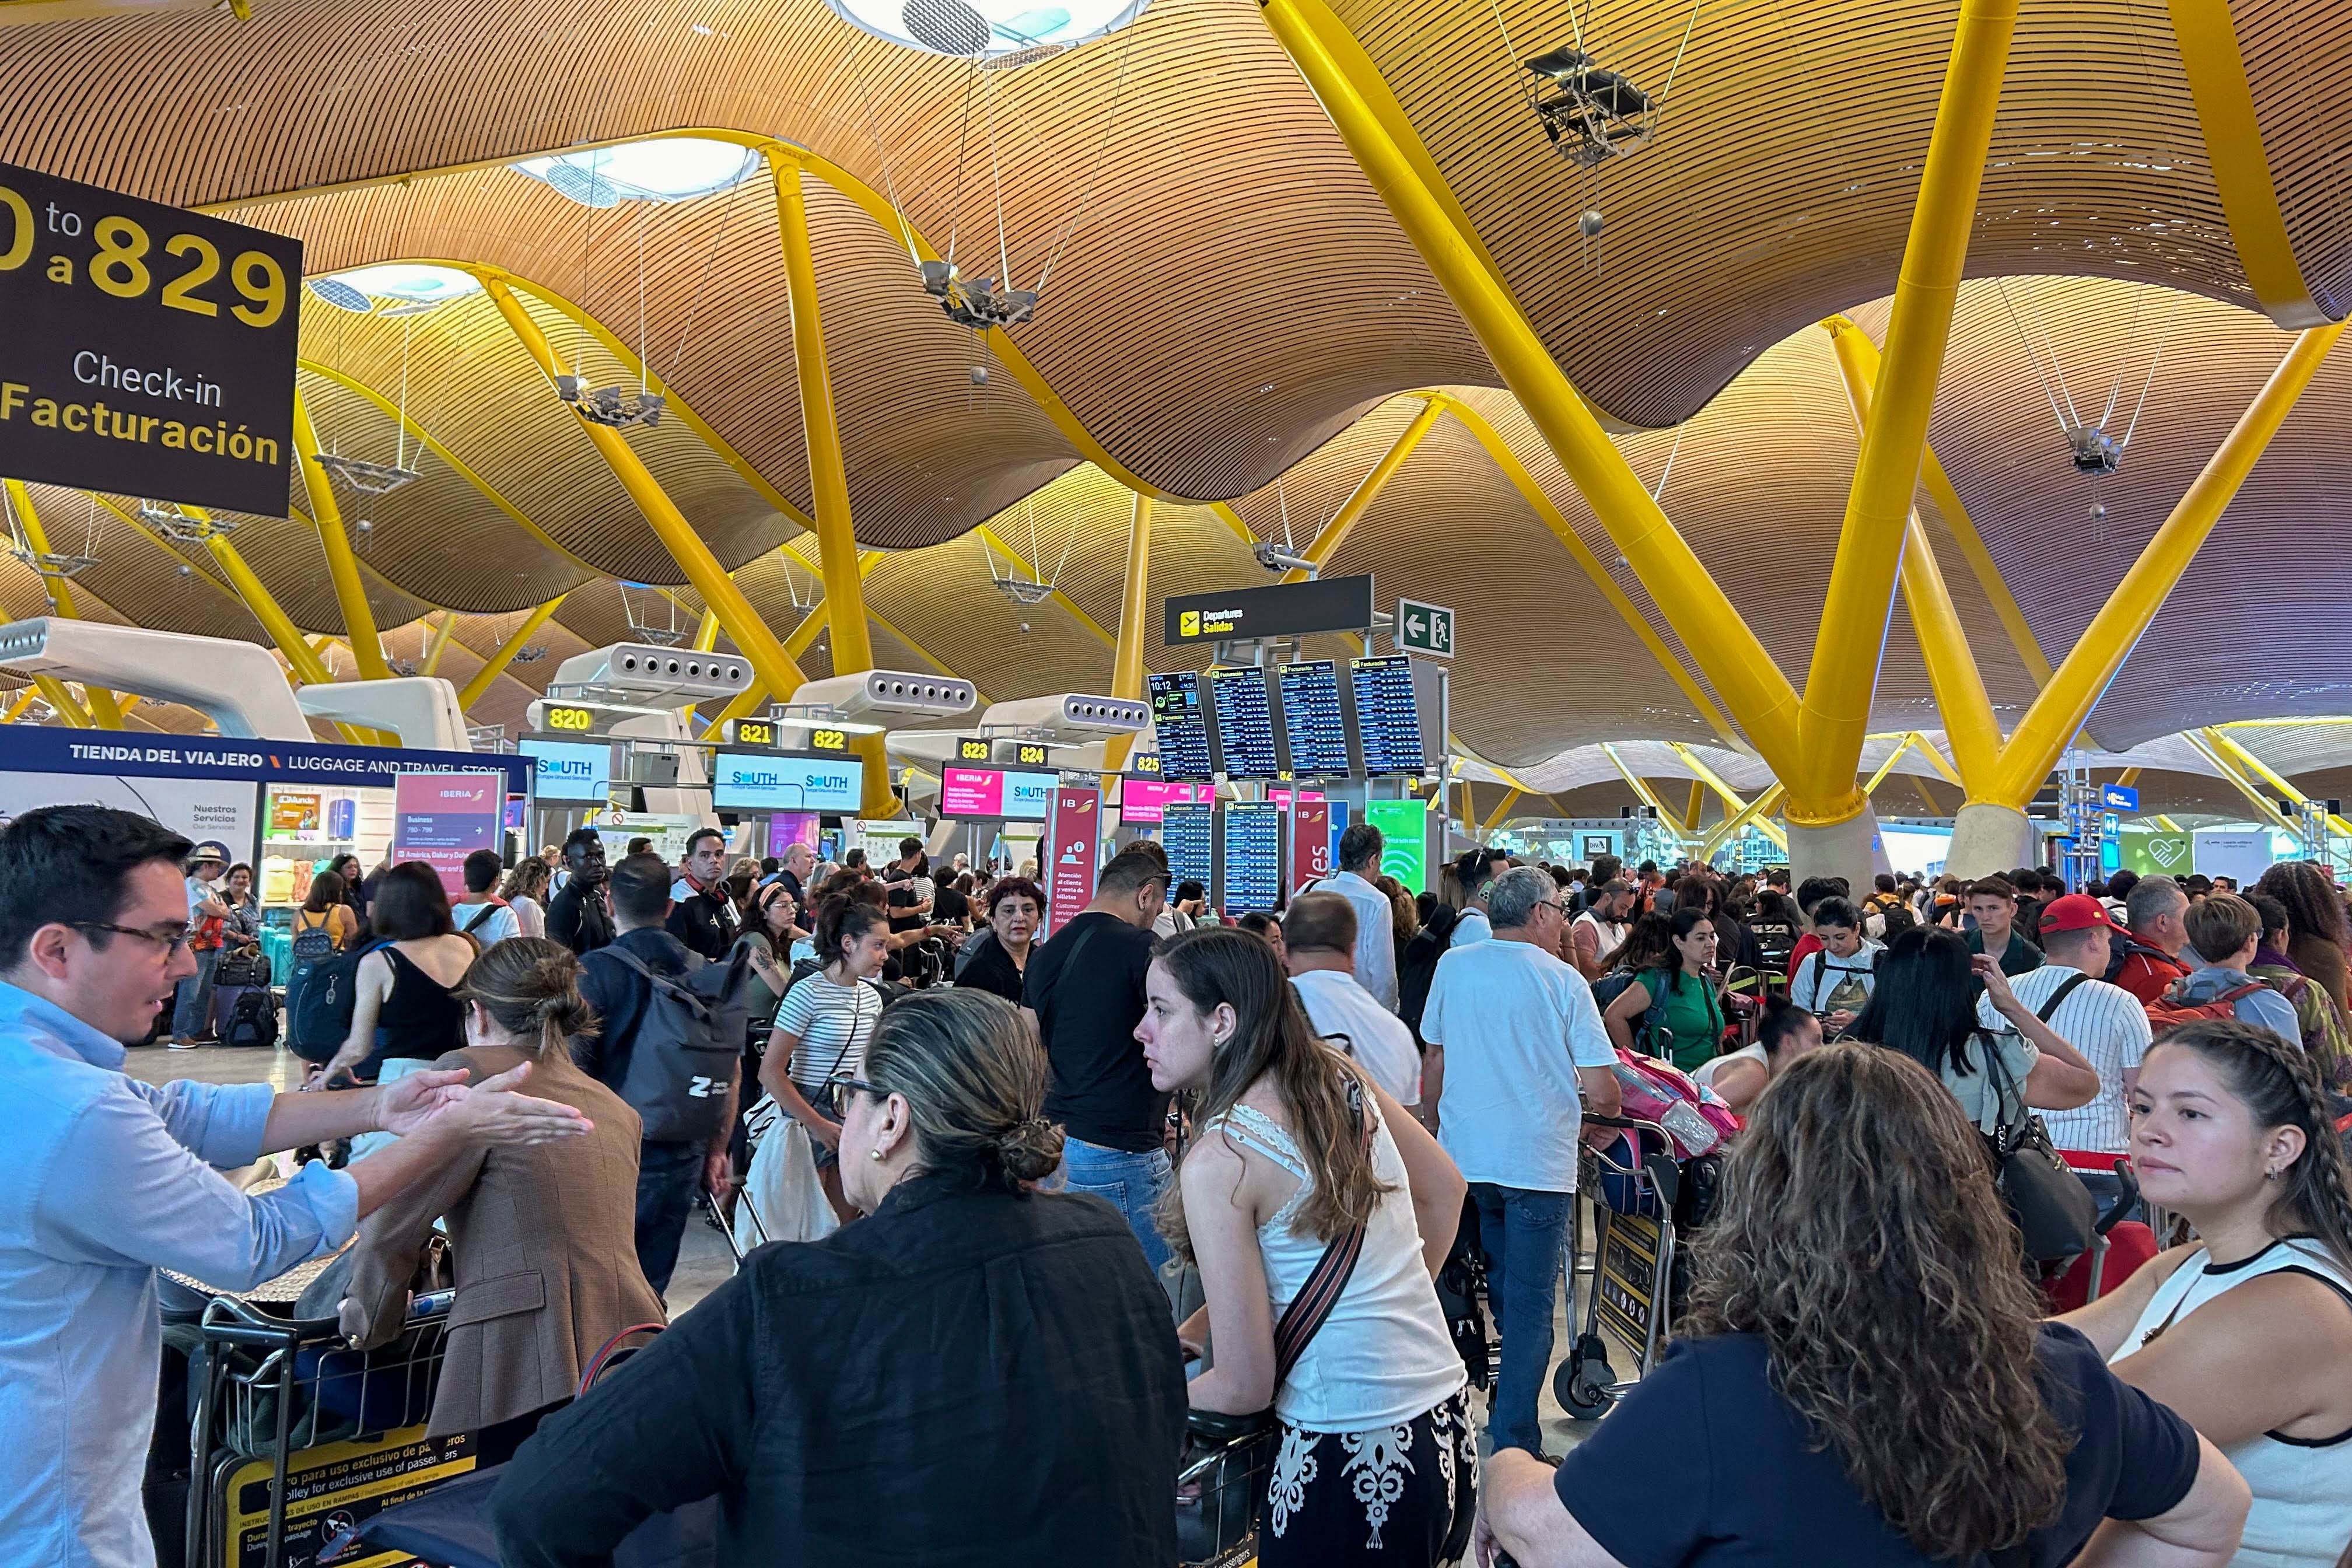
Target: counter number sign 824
{"x":150,"y":350}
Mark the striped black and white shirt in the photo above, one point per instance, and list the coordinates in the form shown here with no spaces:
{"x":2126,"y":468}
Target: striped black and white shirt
{"x":2109,"y":1027}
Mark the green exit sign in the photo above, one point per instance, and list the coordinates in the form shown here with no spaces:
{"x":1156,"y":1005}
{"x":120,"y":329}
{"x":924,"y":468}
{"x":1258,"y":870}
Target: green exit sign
{"x":1424,"y":628}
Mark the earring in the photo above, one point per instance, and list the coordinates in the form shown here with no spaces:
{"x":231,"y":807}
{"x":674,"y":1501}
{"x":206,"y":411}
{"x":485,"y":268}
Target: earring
{"x":2271,"y":1176}
{"x":874,"y":1154}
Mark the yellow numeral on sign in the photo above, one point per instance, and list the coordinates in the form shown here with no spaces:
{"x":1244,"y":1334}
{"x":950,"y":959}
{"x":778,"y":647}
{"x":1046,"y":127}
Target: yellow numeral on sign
{"x":268,"y":294}
{"x":117,"y":268}
{"x":20,"y":242}
{"x":177,"y":293}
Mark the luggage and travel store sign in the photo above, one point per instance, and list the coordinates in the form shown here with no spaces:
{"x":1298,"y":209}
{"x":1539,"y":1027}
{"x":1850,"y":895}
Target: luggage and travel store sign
{"x":38,"y":749}
{"x":149,"y":350}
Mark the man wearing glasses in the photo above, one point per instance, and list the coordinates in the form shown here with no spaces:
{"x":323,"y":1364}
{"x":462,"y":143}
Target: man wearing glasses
{"x":1516,"y":1057}
{"x":110,"y":1179}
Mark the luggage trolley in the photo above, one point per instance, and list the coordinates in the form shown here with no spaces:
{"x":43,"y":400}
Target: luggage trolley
{"x":1221,"y":1487}
{"x":294,"y":1434}
{"x":1631,"y":1279}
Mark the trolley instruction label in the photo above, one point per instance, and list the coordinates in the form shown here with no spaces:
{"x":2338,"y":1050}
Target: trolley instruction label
{"x":335,"y":1486}
{"x":1629,"y":1265}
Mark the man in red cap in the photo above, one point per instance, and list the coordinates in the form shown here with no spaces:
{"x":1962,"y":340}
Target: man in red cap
{"x":2106,"y":1023}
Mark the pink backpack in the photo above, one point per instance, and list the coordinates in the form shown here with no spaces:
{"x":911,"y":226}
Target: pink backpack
{"x":1695,"y":1116}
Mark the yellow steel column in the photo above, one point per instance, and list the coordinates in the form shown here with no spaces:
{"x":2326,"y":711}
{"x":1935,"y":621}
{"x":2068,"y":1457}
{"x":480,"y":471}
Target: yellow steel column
{"x":104,"y":707}
{"x":440,"y":642}
{"x":836,"y":541}
{"x":750,"y":634}
{"x":1134,"y":626}
{"x":1938,"y":486}
{"x":19,"y":704}
{"x":2220,"y":743}
{"x":1697,"y":807}
{"x":1335,"y":532}
{"x":2041,"y":739}
{"x":1502,"y":809}
{"x":1732,"y":804}
{"x":1969,"y":727}
{"x":1927,"y":748}
{"x":706,"y":635}
{"x":2265,"y":809}
{"x":1887,"y":766}
{"x":738,"y":707}
{"x":1843,"y":678}
{"x":1752,"y":814}
{"x":1378,"y":133}
{"x":495,"y":666}
{"x":342,"y":566}
{"x":308,"y":668}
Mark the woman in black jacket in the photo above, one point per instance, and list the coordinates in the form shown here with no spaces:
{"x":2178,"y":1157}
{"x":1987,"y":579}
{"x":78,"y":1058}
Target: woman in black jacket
{"x":975,"y":1373}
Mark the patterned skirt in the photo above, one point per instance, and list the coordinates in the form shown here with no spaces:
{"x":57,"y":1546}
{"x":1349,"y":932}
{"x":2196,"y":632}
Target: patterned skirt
{"x":1403,"y":1495}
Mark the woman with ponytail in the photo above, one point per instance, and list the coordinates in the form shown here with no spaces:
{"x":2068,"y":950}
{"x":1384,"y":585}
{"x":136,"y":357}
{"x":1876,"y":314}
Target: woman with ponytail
{"x":1297,"y":1151}
{"x":977,"y":1371}
{"x":543,"y":1238}
{"x":2248,"y":1333}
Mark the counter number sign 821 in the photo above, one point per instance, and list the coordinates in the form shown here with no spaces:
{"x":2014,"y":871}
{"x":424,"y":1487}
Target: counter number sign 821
{"x":150,"y":350}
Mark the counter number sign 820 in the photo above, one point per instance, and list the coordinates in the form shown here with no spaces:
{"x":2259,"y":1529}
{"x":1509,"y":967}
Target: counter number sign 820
{"x":150,"y":350}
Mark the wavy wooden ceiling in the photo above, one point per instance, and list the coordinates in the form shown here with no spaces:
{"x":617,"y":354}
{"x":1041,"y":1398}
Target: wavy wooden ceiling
{"x":1233,"y":304}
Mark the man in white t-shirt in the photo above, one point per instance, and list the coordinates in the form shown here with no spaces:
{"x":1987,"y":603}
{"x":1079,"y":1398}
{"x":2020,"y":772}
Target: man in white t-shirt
{"x":1518,"y":1054}
{"x":481,"y":913}
{"x":1360,"y":848}
{"x":1318,"y":939}
{"x":2106,"y":1023}
{"x":1600,"y":930}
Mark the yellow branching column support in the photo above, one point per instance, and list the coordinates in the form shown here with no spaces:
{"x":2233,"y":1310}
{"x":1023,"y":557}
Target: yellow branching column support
{"x":104,"y":709}
{"x":1843,"y":678}
{"x":836,"y":541}
{"x":1134,"y":626}
{"x":1335,"y":532}
{"x":748,"y":632}
{"x":495,"y":666}
{"x":342,"y":566}
{"x":2041,"y":739}
{"x":1969,"y":727}
{"x":1381,"y":136}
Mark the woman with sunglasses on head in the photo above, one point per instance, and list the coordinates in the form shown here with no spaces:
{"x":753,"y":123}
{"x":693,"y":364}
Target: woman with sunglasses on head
{"x":1864,"y":1379}
{"x":1296,"y":1150}
{"x":976,"y":1372}
{"x":2248,"y":1333}
{"x":822,"y":1029}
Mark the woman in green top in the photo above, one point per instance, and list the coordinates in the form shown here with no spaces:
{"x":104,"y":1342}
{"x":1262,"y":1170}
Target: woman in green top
{"x":1689,"y":1027}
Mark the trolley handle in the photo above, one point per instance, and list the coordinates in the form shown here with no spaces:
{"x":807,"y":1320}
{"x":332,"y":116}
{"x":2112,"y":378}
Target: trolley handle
{"x":2127,"y":1203}
{"x":229,"y":1321}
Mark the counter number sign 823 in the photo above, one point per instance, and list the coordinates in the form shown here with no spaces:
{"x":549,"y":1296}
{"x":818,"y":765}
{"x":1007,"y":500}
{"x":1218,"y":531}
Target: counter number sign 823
{"x":149,"y":350}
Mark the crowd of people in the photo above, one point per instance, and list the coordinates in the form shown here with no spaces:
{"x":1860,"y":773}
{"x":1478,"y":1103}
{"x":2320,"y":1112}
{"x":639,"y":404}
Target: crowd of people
{"x":1161,"y":1169}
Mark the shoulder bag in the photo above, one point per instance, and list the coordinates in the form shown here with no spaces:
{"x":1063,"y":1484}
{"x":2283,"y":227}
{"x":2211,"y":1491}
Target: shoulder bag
{"x":2055,"y":1213}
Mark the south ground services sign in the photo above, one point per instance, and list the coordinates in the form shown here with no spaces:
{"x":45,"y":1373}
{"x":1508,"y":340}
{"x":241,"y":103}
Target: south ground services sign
{"x":146,"y":349}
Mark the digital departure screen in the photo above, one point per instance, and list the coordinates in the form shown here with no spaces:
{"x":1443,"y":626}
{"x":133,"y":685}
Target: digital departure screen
{"x":1244,"y":723}
{"x":1183,"y":728}
{"x":1387,"y":717}
{"x":1185,"y":832}
{"x":1252,"y":856}
{"x":1311,"y":718}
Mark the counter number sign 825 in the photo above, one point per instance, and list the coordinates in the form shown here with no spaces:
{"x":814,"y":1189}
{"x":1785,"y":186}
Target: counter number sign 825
{"x":150,"y":350}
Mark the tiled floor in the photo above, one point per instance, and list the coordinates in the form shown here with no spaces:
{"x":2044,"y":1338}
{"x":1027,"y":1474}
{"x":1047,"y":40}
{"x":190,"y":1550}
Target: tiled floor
{"x":705,"y":1261}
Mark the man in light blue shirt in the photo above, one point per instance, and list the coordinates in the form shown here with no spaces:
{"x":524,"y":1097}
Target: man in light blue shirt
{"x":111,"y":1179}
{"x":1360,"y":862}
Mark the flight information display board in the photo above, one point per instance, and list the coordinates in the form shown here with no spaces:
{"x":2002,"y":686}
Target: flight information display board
{"x":1387,"y":716}
{"x":1183,"y":730}
{"x":1312,"y":718}
{"x":1244,"y":723}
{"x":1187,"y":834}
{"x":1252,"y":834}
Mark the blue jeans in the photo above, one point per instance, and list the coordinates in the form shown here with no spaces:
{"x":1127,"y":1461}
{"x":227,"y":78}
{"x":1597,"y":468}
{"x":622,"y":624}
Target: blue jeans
{"x":1131,"y":1183}
{"x":1521,"y":1233}
{"x":194,"y":1000}
{"x":668,"y":1175}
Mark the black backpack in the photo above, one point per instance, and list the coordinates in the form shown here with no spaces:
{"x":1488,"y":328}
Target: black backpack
{"x":318,"y":1004}
{"x":689,"y":1040}
{"x":253,"y":1021}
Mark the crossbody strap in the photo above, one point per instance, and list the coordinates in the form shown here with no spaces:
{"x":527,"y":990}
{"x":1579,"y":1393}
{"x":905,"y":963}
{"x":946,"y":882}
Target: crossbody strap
{"x":1312,"y":1304}
{"x":2065,"y":989}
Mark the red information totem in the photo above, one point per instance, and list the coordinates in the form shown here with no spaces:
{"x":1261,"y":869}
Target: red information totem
{"x":1073,"y":833}
{"x":1310,"y":841}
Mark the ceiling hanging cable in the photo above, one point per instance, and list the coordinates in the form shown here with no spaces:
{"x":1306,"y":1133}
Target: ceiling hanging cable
{"x":709,"y":262}
{"x":1102,"y":153}
{"x":889,"y":186}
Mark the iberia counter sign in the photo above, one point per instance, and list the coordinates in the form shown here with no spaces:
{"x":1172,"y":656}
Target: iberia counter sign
{"x":1073,"y":833}
{"x":146,"y":349}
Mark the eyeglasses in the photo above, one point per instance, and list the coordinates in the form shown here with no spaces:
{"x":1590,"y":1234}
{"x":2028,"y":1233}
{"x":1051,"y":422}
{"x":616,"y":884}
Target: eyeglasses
{"x":1554,"y":905}
{"x":172,"y":945}
{"x":842,"y":1080}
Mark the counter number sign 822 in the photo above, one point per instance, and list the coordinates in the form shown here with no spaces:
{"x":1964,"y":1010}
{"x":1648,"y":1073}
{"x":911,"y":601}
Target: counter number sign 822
{"x":151,"y":349}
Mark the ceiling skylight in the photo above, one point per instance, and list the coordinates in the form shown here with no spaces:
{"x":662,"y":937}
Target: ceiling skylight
{"x":667,"y":169}
{"x":988,"y":29}
{"x":408,"y":283}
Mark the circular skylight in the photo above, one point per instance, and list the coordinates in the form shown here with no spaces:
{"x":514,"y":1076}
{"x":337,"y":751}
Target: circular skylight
{"x":667,"y":169}
{"x":406,"y":281}
{"x":988,"y":29}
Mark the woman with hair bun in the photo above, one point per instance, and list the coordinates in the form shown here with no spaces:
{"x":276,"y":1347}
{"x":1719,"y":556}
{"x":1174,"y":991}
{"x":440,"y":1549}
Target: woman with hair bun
{"x":543,"y":1237}
{"x":975,"y":1372}
{"x":2249,"y":1332}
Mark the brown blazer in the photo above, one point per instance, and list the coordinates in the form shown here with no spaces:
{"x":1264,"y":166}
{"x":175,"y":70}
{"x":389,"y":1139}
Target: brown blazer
{"x":543,"y":1247}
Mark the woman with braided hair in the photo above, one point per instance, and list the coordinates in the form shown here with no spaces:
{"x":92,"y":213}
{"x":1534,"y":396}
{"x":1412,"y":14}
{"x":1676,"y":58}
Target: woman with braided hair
{"x":2249,"y":1333}
{"x":543,"y":1238}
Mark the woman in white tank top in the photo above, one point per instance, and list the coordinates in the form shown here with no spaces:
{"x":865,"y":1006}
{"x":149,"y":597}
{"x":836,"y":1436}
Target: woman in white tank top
{"x":1294,"y":1148}
{"x":2247,"y":1334}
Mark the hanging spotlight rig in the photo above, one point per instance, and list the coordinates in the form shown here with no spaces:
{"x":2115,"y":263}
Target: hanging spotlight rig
{"x":2094,"y":451}
{"x":179,"y":527}
{"x":368,"y":478}
{"x":1588,"y":114}
{"x":980,"y":304}
{"x":618,"y":406}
